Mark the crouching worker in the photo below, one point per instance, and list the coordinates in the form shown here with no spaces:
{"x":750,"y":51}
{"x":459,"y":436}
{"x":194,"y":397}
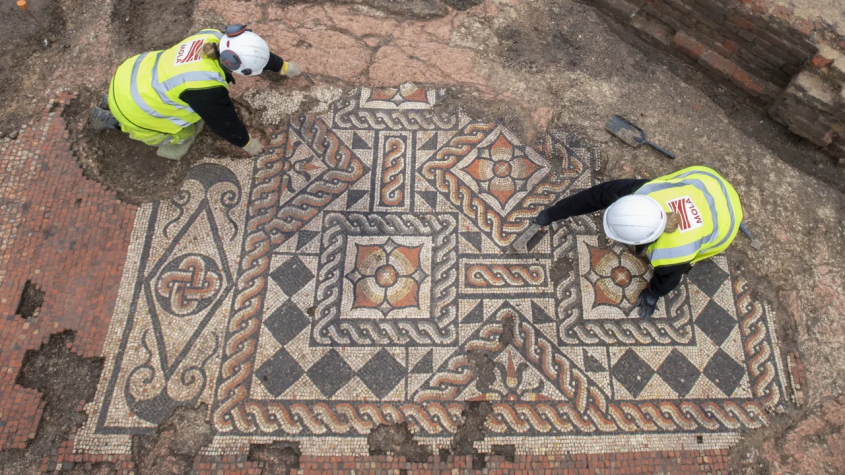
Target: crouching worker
{"x":679,"y":219}
{"x":163,"y":98}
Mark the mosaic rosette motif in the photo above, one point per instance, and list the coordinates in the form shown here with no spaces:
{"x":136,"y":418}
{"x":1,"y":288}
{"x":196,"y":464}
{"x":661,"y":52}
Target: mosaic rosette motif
{"x":386,"y":276}
{"x":355,"y":274}
{"x":406,"y":276}
{"x":616,"y":277}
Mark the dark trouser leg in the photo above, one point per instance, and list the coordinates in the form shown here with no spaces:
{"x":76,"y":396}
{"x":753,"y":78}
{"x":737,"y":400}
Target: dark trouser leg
{"x":101,"y":119}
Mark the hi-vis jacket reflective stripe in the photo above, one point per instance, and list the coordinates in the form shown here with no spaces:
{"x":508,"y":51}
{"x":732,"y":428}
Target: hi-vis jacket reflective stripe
{"x":144,"y":92}
{"x":710,"y":215}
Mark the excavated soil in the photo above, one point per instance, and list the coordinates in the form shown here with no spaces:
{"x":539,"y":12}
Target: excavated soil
{"x":21,"y":46}
{"x":147,"y":26}
{"x":278,"y":457}
{"x":129,"y":167}
{"x":396,"y":439}
{"x":64,"y":379}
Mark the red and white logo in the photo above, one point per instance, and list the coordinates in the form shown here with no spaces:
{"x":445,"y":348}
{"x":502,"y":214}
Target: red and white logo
{"x":686,"y":209}
{"x":189,"y":52}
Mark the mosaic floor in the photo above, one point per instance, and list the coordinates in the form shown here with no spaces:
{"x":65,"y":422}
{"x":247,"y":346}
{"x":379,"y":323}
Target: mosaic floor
{"x":356,"y":274}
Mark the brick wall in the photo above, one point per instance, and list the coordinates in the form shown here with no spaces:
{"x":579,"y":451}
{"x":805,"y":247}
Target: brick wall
{"x":794,"y":66}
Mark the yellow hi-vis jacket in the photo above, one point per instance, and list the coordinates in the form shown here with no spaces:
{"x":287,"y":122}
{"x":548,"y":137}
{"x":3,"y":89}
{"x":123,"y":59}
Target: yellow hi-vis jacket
{"x":144,"y":91}
{"x":710,"y":214}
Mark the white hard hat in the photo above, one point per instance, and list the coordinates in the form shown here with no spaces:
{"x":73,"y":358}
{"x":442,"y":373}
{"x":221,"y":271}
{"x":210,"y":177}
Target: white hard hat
{"x":634,"y":219}
{"x":243,"y":52}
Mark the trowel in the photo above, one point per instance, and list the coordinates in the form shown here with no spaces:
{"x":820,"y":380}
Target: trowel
{"x":520,"y":244}
{"x":631,"y":134}
{"x":754,"y":242}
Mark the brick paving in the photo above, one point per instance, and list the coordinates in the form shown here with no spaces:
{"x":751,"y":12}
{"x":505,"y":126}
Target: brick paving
{"x":68,"y":236}
{"x":674,"y":462}
{"x":685,"y":462}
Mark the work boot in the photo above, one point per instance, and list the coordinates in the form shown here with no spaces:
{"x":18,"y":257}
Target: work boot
{"x":177,"y":151}
{"x":101,"y":119}
{"x":104,"y":102}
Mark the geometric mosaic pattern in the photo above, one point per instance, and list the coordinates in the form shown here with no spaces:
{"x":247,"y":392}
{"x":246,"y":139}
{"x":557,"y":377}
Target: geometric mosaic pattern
{"x":349,"y":276}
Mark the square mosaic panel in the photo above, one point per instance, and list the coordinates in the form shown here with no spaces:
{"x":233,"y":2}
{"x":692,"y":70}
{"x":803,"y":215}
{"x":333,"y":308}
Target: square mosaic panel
{"x":357,"y":273}
{"x":387,"y":279}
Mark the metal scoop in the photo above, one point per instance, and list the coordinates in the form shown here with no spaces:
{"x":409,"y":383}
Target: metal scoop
{"x":631,"y":134}
{"x":520,"y":244}
{"x":754,"y":242}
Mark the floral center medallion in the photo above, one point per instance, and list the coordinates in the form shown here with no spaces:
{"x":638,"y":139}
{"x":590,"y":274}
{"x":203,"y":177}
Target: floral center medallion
{"x":621,"y":276}
{"x":386,"y":276}
{"x":502,"y":169}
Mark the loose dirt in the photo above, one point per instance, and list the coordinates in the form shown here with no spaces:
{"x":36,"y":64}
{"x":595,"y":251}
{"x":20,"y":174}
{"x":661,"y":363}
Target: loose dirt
{"x":175,"y":444}
{"x":147,"y":26}
{"x":21,"y":46}
{"x":805,"y":441}
{"x":130,"y":167}
{"x":31,"y":299}
{"x":279,"y":457}
{"x":396,"y":439}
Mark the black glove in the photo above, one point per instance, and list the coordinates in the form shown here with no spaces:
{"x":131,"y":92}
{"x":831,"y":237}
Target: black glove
{"x":647,"y":303}
{"x":543,"y":219}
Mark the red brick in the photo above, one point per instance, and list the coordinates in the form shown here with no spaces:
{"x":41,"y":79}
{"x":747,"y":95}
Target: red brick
{"x":688,"y":45}
{"x":761,"y":6}
{"x":731,"y":46}
{"x":820,"y":62}
{"x":803,"y":26}
{"x":783,"y":11}
{"x":718,"y":63}
{"x":721,"y":50}
{"x":743,"y":23}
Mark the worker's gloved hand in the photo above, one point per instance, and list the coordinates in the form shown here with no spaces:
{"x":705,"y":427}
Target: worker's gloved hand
{"x":290,"y":69}
{"x":543,"y":219}
{"x":647,"y":303}
{"x":253,"y":147}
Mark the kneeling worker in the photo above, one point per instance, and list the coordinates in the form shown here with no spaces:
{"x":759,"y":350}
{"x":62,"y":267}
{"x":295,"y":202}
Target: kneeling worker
{"x":162,"y":98}
{"x":680,"y":219}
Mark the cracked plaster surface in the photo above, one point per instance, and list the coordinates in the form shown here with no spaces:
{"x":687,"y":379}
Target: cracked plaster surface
{"x":360,"y":45}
